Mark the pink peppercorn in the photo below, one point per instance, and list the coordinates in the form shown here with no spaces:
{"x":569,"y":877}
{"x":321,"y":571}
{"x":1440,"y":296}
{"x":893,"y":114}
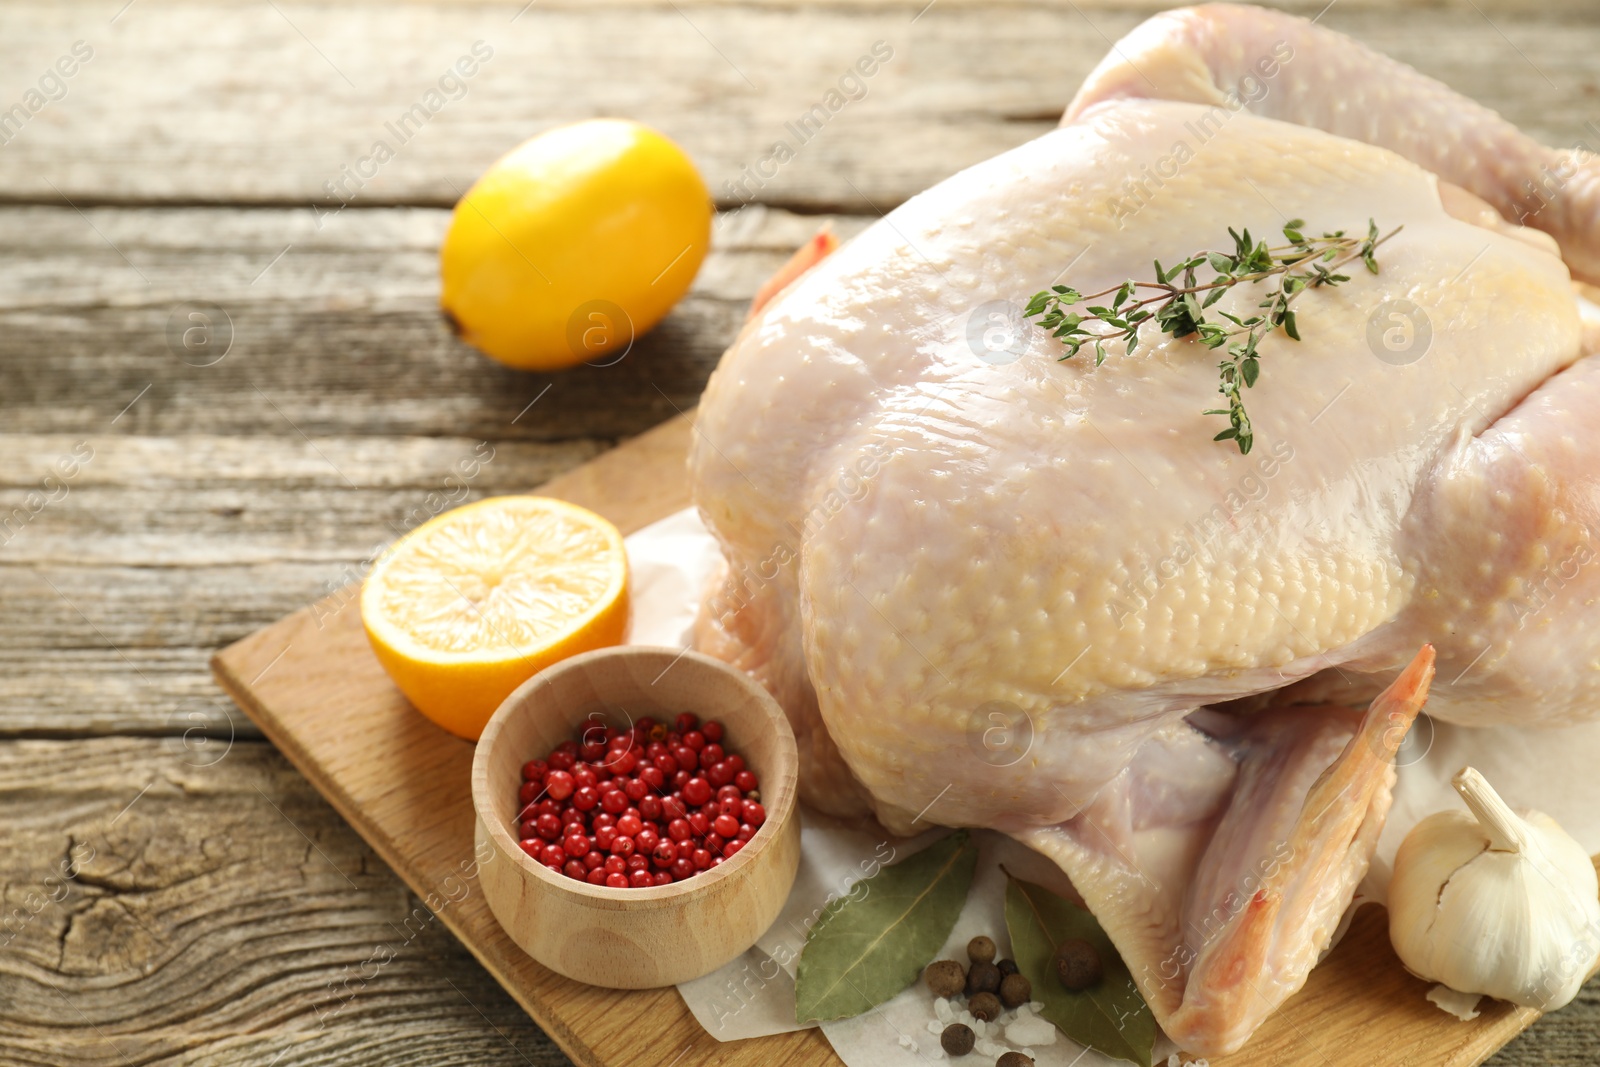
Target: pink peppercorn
{"x":649,"y":805}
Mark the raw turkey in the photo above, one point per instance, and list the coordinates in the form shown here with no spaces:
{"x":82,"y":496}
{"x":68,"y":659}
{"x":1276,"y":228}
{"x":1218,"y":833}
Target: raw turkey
{"x":994,"y":588}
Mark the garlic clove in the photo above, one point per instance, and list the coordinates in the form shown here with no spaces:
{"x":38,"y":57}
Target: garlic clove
{"x":1506,"y":831}
{"x":1463,"y":1006}
{"x":1492,"y":902}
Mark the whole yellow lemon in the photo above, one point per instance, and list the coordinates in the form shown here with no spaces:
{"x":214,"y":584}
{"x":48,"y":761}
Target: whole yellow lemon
{"x":574,"y":244}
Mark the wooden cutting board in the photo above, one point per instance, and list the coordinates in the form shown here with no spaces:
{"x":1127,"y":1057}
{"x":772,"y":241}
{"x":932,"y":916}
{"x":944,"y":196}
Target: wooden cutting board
{"x":311,"y":683}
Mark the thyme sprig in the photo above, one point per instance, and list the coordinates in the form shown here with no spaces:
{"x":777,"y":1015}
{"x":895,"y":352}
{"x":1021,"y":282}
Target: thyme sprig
{"x":1179,"y":302}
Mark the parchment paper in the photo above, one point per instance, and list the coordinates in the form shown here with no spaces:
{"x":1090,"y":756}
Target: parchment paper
{"x":671,"y":560}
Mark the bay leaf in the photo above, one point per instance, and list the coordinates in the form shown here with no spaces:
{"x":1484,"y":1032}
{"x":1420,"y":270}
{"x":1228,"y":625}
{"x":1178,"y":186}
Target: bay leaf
{"x":871,"y":943}
{"x":1109,"y":1017}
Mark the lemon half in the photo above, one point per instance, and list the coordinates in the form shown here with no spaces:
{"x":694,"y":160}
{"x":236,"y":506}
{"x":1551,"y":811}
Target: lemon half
{"x":473,"y":603}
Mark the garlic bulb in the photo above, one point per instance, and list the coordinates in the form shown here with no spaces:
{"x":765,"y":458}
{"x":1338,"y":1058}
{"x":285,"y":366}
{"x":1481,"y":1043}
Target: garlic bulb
{"x":1495,"y":903}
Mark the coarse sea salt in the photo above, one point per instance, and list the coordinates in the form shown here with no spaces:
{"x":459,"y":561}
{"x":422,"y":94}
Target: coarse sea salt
{"x":907,"y":1044}
{"x":1031,"y":1031}
{"x":934,"y":1027}
{"x":941,"y":1008}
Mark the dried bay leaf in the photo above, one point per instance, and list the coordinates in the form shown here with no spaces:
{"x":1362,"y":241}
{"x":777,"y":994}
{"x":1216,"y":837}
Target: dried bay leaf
{"x":873,"y":942}
{"x":1110,"y":1017}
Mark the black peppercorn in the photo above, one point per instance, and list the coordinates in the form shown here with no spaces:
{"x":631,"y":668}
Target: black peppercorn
{"x":1007,"y":967}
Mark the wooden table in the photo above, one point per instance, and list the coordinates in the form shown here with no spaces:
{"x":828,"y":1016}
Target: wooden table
{"x":222,"y":912}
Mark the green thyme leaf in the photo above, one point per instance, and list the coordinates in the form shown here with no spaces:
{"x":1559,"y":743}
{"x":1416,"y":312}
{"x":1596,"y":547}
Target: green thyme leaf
{"x":1250,"y":368}
{"x":873,"y":942}
{"x":1180,"y":302}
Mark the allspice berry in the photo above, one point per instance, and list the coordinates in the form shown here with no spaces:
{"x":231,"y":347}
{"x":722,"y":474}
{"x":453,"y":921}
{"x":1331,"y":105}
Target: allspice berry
{"x":957,"y":1039}
{"x":1015,"y":990}
{"x":1007,"y":967}
{"x":981,"y":950}
{"x":945,"y":978}
{"x":983,"y":978}
{"x":1014,"y":1059}
{"x":985,"y":1006}
{"x":1077,"y":964}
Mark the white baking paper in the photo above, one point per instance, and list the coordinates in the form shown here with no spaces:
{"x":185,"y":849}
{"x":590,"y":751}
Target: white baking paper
{"x":1550,"y":770}
{"x":671,"y":561}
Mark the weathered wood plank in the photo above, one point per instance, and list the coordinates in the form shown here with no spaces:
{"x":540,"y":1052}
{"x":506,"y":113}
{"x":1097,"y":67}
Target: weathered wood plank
{"x":267,"y":102}
{"x":73,"y":693}
{"x":146,"y":554}
{"x":311,"y":683}
{"x":285,"y":460}
{"x":155,"y":552}
{"x":221,"y":912}
{"x":114,"y":596}
{"x":242,"y":922}
{"x":339,"y":336}
{"x":194,"y":501}
{"x":205,"y":927}
{"x":201,"y":834}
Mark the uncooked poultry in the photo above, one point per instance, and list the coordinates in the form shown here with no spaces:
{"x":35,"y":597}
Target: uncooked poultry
{"x":992,"y":588}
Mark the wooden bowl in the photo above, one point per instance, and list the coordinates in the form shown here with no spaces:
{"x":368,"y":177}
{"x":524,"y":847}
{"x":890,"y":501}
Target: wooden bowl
{"x":636,"y":938}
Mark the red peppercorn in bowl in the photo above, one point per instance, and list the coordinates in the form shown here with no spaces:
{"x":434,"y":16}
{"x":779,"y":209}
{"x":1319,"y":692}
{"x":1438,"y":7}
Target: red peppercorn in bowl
{"x":638,"y":936}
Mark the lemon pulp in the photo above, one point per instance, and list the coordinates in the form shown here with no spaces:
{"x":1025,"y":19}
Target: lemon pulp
{"x":471,"y":604}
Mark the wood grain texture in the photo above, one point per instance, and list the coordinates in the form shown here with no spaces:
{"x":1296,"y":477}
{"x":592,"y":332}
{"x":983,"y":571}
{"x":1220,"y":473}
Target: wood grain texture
{"x":247,"y":102}
{"x":202,"y":872}
{"x":658,"y":935}
{"x":338,"y":336}
{"x":163,"y":549}
{"x":220,"y":500}
{"x":420,"y":822}
{"x":177,"y":540}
